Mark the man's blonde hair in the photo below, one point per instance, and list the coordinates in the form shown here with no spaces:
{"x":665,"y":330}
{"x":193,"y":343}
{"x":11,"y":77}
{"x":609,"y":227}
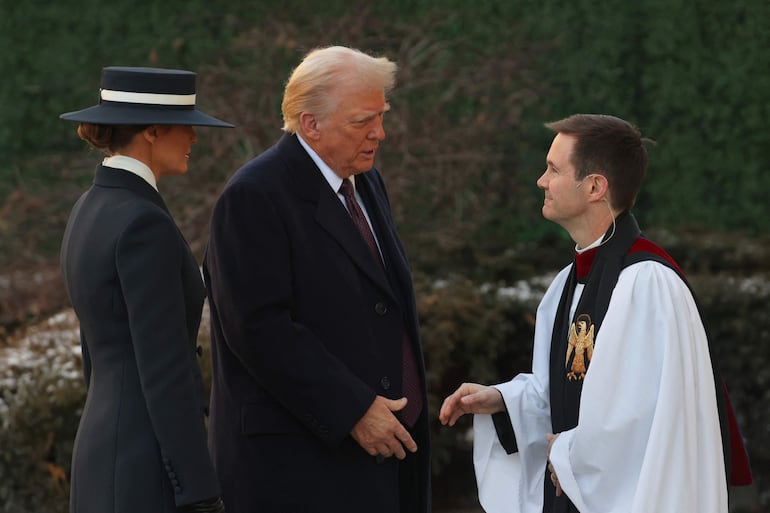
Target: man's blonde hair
{"x":310,"y":87}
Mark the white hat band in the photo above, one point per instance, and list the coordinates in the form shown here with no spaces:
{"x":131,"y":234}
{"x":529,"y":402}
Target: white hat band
{"x":147,"y":98}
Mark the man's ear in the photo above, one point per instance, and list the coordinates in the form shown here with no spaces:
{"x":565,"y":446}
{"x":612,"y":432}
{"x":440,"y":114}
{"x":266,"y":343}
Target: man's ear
{"x":599,"y":185}
{"x":600,"y":189}
{"x":309,"y":124}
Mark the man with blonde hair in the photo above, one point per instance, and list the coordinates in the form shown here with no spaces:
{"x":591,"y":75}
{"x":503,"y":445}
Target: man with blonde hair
{"x":318,"y":388}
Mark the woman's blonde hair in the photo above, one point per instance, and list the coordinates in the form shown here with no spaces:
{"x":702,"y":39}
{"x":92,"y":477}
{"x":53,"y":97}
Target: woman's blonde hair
{"x":310,"y":86}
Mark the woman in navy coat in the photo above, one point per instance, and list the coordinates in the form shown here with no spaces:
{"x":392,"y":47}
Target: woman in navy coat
{"x":137,"y":291}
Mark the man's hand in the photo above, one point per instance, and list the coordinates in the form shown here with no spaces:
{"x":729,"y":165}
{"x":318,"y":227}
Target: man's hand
{"x":380,"y":433}
{"x":554,"y":478}
{"x":470,"y":398}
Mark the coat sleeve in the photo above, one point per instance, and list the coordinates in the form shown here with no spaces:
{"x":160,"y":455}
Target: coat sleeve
{"x":149,"y":261}
{"x":648,"y":437}
{"x":249,"y":274}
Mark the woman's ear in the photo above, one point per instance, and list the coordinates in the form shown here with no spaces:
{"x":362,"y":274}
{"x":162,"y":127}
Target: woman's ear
{"x":150,"y":133}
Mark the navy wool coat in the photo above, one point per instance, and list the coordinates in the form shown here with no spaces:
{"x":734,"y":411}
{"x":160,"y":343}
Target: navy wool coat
{"x":306,"y":331}
{"x":138,"y":293}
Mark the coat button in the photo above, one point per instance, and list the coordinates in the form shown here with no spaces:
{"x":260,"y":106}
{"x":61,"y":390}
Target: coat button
{"x":385,"y":383}
{"x":199,"y":350}
{"x":380,"y":308}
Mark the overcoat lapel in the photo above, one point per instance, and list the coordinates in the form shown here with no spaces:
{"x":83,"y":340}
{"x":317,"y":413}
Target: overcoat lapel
{"x":333,"y":217}
{"x":395,"y":261}
{"x":310,"y":185}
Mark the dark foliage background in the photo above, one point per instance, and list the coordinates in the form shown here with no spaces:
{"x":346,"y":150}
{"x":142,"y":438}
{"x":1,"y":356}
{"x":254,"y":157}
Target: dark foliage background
{"x":465,"y":146}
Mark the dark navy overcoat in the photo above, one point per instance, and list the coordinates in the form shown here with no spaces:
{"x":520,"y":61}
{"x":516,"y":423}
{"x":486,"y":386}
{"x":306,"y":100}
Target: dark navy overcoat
{"x":138,"y":293}
{"x":307,"y":329}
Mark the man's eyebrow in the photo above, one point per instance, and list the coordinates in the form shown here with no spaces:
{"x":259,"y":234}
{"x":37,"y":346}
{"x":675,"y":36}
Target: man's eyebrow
{"x":372,"y":114}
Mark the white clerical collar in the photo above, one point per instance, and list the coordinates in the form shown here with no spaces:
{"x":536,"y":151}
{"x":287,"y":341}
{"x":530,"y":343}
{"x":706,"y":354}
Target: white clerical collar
{"x":132,"y":165}
{"x":335,"y":181}
{"x":597,"y":242}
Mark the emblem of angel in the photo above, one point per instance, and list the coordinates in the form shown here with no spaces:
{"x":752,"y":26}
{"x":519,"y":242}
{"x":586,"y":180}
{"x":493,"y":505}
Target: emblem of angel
{"x":581,"y":344}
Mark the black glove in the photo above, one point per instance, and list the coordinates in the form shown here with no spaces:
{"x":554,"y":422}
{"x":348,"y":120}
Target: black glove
{"x":213,"y":505}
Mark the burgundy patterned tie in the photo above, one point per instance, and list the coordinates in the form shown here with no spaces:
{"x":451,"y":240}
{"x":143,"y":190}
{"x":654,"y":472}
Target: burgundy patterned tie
{"x":411,"y":377}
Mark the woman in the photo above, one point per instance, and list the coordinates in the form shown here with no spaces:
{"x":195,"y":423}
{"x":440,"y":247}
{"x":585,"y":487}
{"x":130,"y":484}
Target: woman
{"x":138,"y":293}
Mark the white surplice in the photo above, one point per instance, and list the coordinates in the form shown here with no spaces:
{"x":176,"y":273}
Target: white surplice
{"x":648,"y":437}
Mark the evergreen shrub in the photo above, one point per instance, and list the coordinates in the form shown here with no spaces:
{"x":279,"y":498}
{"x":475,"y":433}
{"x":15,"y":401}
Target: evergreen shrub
{"x":41,"y":397}
{"x":471,"y":332}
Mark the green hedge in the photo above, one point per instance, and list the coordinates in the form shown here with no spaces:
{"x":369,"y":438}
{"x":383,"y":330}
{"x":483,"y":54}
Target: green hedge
{"x":477,"y":81}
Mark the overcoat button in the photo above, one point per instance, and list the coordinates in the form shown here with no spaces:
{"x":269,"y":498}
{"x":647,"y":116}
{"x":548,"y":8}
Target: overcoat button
{"x":199,"y":350}
{"x":380,"y":308}
{"x":385,"y":383}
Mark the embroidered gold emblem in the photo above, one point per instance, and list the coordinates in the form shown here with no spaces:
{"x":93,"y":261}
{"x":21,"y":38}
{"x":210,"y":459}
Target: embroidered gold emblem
{"x":581,"y":345}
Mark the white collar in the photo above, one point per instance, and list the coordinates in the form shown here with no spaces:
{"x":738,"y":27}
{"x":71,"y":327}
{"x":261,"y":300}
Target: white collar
{"x":132,"y":165}
{"x":595,"y":243}
{"x":334,"y":180}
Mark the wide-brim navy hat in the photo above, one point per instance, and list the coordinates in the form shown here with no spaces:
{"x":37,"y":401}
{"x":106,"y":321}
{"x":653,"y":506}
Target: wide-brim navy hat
{"x":145,"y":96}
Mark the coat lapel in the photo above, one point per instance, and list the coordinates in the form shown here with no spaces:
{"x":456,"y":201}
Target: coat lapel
{"x":373,"y":193}
{"x":331,"y":215}
{"x":392,"y":253}
{"x":111,"y":177}
{"x":120,"y":178}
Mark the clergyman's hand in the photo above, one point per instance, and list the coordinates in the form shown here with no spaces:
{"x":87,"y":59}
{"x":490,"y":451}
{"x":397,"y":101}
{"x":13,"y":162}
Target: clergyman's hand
{"x":470,"y":398}
{"x":554,"y":478}
{"x":379,"y":432}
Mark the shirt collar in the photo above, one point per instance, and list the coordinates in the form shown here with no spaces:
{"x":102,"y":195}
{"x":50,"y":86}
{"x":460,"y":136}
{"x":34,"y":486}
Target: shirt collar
{"x":334,"y":180}
{"x":594,"y":244}
{"x":133,"y":166}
